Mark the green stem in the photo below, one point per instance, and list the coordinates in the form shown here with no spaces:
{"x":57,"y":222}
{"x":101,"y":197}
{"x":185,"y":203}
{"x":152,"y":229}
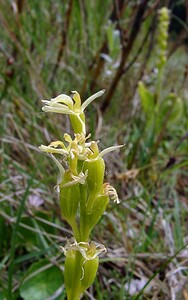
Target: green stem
{"x":159,"y":86}
{"x":75,"y":229}
{"x":84,"y":232}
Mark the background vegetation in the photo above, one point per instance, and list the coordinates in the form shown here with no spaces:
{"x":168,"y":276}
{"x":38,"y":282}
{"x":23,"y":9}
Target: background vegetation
{"x":52,"y":47}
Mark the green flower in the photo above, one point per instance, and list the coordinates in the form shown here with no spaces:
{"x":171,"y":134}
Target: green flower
{"x":80,"y":154}
{"x":72,"y":106}
{"x":81,"y":266}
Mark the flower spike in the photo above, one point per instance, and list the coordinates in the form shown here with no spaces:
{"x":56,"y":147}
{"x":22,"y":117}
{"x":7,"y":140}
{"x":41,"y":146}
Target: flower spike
{"x":83,"y":195}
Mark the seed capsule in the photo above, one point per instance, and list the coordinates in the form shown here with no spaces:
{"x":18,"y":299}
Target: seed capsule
{"x":96,"y":168}
{"x":69,"y":198}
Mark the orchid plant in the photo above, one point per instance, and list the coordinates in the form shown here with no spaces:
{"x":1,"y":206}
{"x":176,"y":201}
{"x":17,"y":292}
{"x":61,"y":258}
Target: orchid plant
{"x":83,"y":194}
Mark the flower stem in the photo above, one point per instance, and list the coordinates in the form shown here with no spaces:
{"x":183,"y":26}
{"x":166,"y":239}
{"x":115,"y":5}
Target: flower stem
{"x":84,"y":232}
{"x":76,"y":232}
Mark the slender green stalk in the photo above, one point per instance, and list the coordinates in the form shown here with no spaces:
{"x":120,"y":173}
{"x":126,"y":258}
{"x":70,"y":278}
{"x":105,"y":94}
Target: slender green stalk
{"x":75,"y":229}
{"x":84,"y":232}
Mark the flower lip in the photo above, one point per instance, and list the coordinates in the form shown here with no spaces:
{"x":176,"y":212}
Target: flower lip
{"x":80,"y":178}
{"x":53,"y":149}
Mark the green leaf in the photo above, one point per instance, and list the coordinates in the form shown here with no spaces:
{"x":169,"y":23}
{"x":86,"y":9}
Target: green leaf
{"x":147,"y":98}
{"x":27,"y":237}
{"x":3,"y":234}
{"x":110,"y":36}
{"x":42,"y":281}
{"x":177,"y":110}
{"x":2,"y":295}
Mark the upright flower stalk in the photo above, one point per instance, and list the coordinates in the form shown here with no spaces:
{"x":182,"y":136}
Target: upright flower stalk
{"x":161,"y":47}
{"x":82,"y":192}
